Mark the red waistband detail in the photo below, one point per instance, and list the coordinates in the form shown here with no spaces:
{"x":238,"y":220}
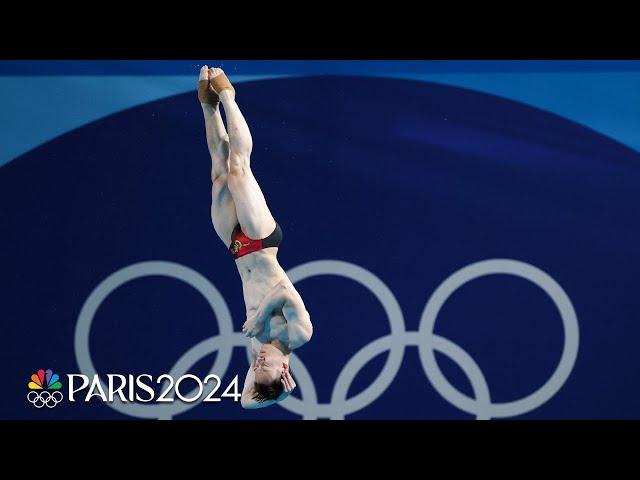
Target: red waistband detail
{"x":242,"y":245}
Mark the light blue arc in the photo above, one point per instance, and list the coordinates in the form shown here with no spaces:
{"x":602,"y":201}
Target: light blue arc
{"x":36,"y":109}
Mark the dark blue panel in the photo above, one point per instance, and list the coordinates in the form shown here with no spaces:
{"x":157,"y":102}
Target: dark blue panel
{"x":411,"y":181}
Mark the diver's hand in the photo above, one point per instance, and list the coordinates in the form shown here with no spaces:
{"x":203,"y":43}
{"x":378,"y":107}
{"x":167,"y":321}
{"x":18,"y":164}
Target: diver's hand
{"x":287,"y":380}
{"x":252,"y":327}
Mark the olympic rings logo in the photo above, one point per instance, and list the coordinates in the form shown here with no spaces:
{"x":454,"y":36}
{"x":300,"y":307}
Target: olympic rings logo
{"x":425,"y":339}
{"x":40,"y":399}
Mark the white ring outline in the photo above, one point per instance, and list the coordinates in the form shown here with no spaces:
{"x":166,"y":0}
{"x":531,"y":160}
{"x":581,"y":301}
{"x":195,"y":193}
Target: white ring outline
{"x":38,"y":398}
{"x":132,"y":272}
{"x":569,"y":351}
{"x":309,"y":407}
{"x":396,"y":354}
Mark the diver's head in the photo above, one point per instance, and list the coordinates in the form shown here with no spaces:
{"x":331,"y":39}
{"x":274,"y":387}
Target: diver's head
{"x":268,"y":369}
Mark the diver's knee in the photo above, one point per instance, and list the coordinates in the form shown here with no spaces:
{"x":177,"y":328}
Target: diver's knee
{"x":218,"y":180}
{"x":238,"y":166}
{"x":241,"y":144}
{"x":220,"y":151}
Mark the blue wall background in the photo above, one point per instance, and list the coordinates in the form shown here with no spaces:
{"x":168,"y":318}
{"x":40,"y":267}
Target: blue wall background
{"x":410,"y":171}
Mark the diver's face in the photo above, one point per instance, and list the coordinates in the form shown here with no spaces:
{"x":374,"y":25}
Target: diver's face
{"x":269,"y":365}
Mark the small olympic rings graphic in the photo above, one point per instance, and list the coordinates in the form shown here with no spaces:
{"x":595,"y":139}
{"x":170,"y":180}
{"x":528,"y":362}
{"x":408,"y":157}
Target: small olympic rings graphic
{"x":40,"y":399}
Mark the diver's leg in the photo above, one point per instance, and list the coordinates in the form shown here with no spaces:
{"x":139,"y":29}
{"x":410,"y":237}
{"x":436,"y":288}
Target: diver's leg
{"x":223,"y":210}
{"x":253,"y":213}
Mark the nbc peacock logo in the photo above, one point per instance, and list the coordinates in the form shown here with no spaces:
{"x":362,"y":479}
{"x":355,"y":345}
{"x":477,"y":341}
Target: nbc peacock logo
{"x":44,"y":389}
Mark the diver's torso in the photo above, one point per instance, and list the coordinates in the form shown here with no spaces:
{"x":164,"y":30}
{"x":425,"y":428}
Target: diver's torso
{"x":260,"y":273}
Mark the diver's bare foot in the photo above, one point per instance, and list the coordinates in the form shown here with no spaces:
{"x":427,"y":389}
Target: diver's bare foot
{"x":204,"y":73}
{"x":221,"y":84}
{"x":206,"y":93}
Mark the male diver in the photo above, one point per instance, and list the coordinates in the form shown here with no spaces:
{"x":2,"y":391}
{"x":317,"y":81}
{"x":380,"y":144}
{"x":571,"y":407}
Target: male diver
{"x":277,"y":320}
